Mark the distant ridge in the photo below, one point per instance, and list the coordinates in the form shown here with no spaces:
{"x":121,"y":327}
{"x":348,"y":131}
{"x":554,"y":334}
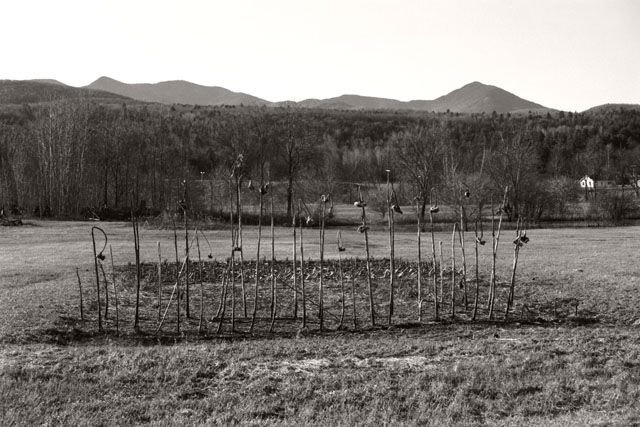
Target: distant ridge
{"x":35,"y":91}
{"x":176,"y":92}
{"x":472,"y":98}
{"x":613,"y":107}
{"x":51,"y":81}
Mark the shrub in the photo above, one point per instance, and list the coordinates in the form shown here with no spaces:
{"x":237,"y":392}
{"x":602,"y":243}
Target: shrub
{"x":616,"y":206}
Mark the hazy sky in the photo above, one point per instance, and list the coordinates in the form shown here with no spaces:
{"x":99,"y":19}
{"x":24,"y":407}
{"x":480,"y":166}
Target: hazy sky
{"x":565,"y":54}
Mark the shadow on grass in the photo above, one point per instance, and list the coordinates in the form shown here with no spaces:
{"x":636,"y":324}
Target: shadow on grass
{"x":72,"y":331}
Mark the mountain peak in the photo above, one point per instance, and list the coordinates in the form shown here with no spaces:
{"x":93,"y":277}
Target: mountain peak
{"x":475,"y":84}
{"x":478,"y":97}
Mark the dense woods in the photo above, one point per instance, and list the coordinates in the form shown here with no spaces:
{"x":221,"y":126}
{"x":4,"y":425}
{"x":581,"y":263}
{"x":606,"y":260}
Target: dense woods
{"x":65,"y":157}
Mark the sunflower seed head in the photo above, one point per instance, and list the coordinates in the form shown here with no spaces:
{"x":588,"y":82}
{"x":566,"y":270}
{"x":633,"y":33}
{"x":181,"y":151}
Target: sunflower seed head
{"x":362,"y":228}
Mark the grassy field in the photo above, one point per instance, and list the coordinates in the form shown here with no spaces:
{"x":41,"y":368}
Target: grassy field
{"x":570,"y":355}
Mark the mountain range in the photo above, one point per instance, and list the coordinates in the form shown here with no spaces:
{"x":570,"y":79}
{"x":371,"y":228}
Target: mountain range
{"x":474,"y":97}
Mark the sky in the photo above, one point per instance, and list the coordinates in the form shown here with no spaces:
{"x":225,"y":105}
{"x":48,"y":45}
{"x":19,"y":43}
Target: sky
{"x":565,"y":54}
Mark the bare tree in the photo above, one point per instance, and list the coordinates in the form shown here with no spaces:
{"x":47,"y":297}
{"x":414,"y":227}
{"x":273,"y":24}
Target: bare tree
{"x":419,"y":152}
{"x":513,"y":164}
{"x":297,"y":149}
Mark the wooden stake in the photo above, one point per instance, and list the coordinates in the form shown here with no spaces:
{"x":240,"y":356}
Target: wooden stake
{"x":302,"y":272}
{"x":257,"y":278}
{"x":106,"y":291}
{"x":294,"y":263}
{"x":115,"y":290}
{"x":418,"y":238}
{"x":464,"y":260}
{"x":136,"y":244}
{"x":341,"y":279}
{"x":365,"y":230}
{"x":495,"y":252}
{"x":187,"y":296}
{"x":201,"y":321}
{"x":475,"y":302}
{"x":453,"y":271}
{"x":274,"y":294}
{"x":441,"y":268}
{"x":177,"y":285}
{"x":223,"y":301}
{"x":321,"y":282}
{"x":392,"y":269}
{"x":435,"y":263}
{"x":159,"y":282}
{"x":80,"y":289}
{"x":516,"y":251}
{"x":95,"y":260}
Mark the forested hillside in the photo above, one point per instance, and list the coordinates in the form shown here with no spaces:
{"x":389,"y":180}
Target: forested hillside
{"x":63,"y":156}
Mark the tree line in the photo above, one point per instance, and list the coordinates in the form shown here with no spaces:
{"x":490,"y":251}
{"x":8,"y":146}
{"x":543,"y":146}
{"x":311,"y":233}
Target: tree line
{"x":61,"y":157}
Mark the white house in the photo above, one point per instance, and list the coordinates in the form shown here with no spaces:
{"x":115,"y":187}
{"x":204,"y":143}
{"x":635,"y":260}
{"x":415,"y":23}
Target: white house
{"x":587,"y":182}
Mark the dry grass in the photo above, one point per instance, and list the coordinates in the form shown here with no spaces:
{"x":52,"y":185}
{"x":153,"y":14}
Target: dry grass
{"x":554,"y":368}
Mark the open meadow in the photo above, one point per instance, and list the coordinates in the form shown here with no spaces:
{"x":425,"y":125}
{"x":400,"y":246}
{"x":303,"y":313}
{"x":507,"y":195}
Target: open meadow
{"x":569,"y":353}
